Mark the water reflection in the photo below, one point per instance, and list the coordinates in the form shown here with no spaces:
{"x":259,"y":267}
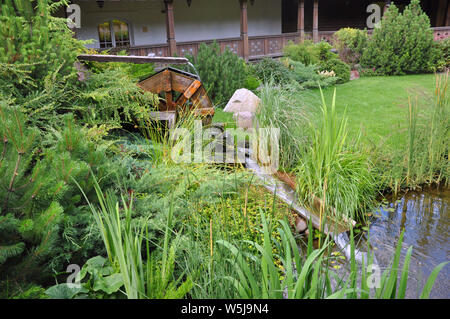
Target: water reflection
{"x":425,"y":217}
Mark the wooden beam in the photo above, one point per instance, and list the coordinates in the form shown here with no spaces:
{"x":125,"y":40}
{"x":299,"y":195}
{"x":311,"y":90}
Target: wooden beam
{"x":189,"y":92}
{"x":170,"y":27}
{"x":244,"y":29}
{"x":316,"y":21}
{"x":447,"y":21}
{"x":131,"y":59}
{"x":301,"y":19}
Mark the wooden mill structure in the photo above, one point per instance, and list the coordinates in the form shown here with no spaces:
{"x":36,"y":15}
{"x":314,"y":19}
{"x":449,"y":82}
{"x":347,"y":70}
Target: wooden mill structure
{"x":181,"y":92}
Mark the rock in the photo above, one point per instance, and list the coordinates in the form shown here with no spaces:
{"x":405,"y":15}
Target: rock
{"x":243,"y":100}
{"x":244,"y":120}
{"x":300,"y":225}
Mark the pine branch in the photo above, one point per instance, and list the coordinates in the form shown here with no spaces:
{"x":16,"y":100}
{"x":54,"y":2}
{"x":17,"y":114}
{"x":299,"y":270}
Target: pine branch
{"x":11,"y":183}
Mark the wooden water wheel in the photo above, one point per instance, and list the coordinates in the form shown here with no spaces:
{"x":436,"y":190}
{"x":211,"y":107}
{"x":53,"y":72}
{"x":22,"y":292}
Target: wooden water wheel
{"x":180,"y":91}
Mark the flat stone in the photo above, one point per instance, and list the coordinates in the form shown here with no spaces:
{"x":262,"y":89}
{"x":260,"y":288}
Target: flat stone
{"x":243,"y":100}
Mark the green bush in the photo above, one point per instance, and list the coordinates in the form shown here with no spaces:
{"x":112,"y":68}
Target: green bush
{"x":44,"y":223}
{"x":31,"y":35}
{"x":443,"y":53}
{"x":351,"y":44}
{"x":112,"y":97}
{"x":403,"y":44}
{"x":309,"y":53}
{"x":221,"y":73}
{"x":252,"y":82}
{"x":301,"y":52}
{"x":309,"y":77}
{"x":269,"y":69}
{"x":340,"y":68}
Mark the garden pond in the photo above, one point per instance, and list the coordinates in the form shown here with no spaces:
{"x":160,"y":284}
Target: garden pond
{"x":425,"y":217}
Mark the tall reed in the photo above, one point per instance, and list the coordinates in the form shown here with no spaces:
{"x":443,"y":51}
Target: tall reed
{"x":424,"y":158}
{"x":334,"y":169}
{"x":309,"y":276}
{"x":284,"y":108}
{"x":124,"y":240}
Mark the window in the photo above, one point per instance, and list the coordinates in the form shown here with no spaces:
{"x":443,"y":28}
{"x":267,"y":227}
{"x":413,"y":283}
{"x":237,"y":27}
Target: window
{"x":113,"y":33}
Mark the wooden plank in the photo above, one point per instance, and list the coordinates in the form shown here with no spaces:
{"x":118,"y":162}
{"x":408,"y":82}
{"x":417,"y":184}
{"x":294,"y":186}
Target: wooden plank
{"x":204,"y":112}
{"x":169,"y":101}
{"x":154,"y":84}
{"x":131,"y":59}
{"x":165,"y":116}
{"x":180,"y":82}
{"x":447,"y":21}
{"x":189,"y":92}
{"x":200,"y":99}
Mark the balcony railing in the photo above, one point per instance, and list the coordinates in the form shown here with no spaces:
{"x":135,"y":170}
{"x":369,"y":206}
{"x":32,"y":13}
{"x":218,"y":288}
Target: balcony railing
{"x":259,"y":46}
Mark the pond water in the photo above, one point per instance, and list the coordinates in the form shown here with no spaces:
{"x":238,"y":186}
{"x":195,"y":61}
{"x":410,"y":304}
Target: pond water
{"x":425,"y":216}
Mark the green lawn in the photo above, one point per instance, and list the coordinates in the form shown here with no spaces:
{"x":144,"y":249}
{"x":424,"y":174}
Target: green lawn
{"x":379,"y":105}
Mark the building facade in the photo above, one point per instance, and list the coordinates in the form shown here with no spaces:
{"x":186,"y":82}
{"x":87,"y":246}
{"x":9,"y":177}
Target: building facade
{"x":250,"y":28}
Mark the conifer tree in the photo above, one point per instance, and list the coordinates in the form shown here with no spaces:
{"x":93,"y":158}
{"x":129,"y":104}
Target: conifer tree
{"x":27,"y":229}
{"x":44,"y":221}
{"x":37,"y":55}
{"x":402,"y":44}
{"x":30,"y":34}
{"x":221,"y":73}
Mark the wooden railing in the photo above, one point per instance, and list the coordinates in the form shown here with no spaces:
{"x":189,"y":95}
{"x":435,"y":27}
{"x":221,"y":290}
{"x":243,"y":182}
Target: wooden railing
{"x":259,"y":46}
{"x":441,"y":33}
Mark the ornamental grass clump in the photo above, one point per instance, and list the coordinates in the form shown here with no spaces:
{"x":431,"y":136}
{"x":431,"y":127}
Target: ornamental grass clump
{"x":281,"y":108}
{"x":144,"y":276}
{"x":310,"y":276}
{"x":423,"y":158}
{"x":334,"y":169}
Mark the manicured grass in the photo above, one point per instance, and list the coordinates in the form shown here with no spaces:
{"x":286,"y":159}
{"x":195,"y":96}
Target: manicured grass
{"x":379,"y":105}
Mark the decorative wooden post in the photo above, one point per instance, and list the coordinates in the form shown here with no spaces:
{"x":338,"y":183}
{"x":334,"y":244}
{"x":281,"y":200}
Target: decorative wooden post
{"x":170,"y":27}
{"x":316,"y":21}
{"x":244,"y":29}
{"x":301,"y":19}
